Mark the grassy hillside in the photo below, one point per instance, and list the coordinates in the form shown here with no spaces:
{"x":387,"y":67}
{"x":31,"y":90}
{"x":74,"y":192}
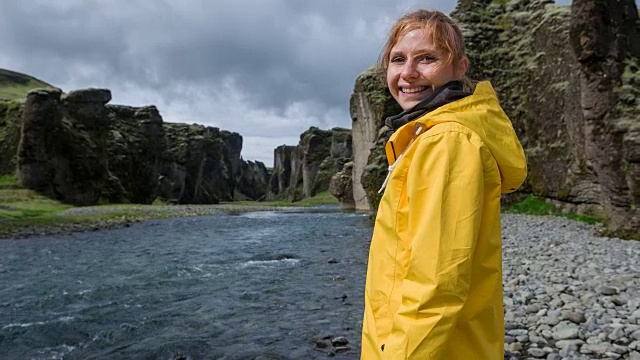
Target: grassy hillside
{"x":14,"y":85}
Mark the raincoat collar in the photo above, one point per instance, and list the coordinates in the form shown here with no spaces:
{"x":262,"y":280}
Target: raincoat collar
{"x":447,"y":93}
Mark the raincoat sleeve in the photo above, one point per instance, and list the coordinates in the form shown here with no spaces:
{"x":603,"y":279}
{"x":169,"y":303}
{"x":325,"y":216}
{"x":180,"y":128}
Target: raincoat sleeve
{"x":445,"y":197}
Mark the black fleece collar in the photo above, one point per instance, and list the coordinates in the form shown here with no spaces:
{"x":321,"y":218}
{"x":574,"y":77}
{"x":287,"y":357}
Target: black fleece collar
{"x":447,"y":93}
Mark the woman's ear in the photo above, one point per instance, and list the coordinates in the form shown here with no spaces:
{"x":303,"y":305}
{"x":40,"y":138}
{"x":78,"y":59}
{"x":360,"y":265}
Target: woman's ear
{"x":461,"y":67}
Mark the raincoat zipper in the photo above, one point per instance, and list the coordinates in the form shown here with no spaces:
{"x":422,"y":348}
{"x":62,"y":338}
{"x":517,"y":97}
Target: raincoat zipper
{"x":419,"y":127}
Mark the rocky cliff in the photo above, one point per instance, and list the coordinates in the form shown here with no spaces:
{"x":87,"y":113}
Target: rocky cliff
{"x":10,"y":123}
{"x":370,"y":105}
{"x":135,"y":143}
{"x":569,"y":79}
{"x":306,"y":169}
{"x":80,"y":150}
{"x":252,"y":180}
{"x":196,"y":168}
{"x":63,"y":147}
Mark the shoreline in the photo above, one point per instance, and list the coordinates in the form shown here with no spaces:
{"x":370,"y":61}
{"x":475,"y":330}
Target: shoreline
{"x":94,"y":218}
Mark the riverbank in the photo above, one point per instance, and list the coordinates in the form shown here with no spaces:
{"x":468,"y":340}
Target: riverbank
{"x":24,"y":213}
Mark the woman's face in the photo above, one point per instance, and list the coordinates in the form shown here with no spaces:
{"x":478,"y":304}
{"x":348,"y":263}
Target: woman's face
{"x":416,"y":69}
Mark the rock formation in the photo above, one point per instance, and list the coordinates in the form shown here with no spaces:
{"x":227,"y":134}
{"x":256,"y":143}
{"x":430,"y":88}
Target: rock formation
{"x":196,"y":169}
{"x":10,"y":123}
{"x":306,"y":169}
{"x":136,"y":142}
{"x":233,"y":143}
{"x":62,"y":151}
{"x":78,"y":149}
{"x":371,"y":104}
{"x":341,"y":187}
{"x":252,"y":180}
{"x":281,"y":175}
{"x":569,"y":79}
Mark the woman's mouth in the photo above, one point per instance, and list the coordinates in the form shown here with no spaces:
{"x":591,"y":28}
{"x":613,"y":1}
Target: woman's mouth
{"x":413,"y":90}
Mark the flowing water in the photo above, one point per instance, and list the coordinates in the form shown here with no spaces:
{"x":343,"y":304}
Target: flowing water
{"x":262,"y":285}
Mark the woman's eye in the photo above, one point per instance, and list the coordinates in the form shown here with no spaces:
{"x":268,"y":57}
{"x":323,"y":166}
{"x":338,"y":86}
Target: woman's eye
{"x":396,"y":59}
{"x":426,"y":58}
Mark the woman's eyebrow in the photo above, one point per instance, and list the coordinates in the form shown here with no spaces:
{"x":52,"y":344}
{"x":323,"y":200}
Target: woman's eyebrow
{"x":421,"y":52}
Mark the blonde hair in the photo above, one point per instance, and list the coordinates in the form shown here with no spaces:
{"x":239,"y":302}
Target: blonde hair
{"x":443,"y":31}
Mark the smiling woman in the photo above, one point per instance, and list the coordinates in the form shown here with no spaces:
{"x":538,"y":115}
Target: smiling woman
{"x":434,"y":282}
{"x":419,"y":58}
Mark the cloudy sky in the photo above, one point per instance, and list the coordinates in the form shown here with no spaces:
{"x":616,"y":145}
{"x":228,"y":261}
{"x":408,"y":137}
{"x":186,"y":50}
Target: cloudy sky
{"x":267,"y":69}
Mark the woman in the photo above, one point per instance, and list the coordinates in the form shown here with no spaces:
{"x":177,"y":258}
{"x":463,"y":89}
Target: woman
{"x":434,"y":281}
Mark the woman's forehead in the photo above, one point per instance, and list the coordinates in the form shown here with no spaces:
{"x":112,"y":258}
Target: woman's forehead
{"x":416,"y":40}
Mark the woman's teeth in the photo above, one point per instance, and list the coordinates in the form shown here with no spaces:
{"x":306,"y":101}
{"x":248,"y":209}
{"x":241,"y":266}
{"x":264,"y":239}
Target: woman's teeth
{"x":412,"y":90}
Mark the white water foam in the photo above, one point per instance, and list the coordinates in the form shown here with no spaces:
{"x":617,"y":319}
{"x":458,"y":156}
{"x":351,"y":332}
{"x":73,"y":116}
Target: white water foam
{"x":61,"y":319}
{"x":260,"y":214}
{"x":57,"y":352}
{"x":268,"y":263}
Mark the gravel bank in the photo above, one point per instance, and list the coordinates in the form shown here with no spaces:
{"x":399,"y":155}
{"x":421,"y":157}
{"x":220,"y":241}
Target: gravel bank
{"x":568,"y":293}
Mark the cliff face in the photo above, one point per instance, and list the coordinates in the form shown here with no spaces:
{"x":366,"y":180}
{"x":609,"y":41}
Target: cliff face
{"x":63,"y":146}
{"x":371,"y":104}
{"x":569,"y":80}
{"x":196,"y":169}
{"x":306,"y":169}
{"x":252,"y":180}
{"x":134,"y":146}
{"x":10,"y":123}
{"x":79,"y":150}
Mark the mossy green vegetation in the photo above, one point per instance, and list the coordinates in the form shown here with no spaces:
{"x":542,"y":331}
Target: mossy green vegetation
{"x":14,"y":85}
{"x":323,"y":198}
{"x":533,"y":205}
{"x":8,"y":180}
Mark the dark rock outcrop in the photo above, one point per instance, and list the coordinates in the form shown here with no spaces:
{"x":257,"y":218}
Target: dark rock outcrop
{"x":10,"y":123}
{"x":341,"y":187}
{"x":62,"y":151}
{"x":281,"y":177}
{"x":306,"y":169}
{"x":77,"y":149}
{"x":315,"y":146}
{"x":196,"y":168}
{"x":605,"y":39}
{"x":569,"y":80}
{"x":252,"y":181}
{"x":233,"y":143}
{"x":135,"y":144}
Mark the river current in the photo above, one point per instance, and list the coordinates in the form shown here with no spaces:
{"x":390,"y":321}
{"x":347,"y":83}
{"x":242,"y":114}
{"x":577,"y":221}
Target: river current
{"x":260,"y":285}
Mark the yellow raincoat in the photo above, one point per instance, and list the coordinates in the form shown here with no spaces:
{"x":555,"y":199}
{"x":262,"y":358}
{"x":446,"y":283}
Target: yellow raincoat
{"x":434,"y":278}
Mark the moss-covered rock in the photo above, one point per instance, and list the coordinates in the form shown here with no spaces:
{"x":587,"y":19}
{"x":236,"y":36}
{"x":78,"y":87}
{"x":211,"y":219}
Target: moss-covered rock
{"x":136,"y":142}
{"x":62,"y":151}
{"x":371,"y":104}
{"x":252,"y":181}
{"x":305,"y":170}
{"x":196,"y":168}
{"x":10,"y":122}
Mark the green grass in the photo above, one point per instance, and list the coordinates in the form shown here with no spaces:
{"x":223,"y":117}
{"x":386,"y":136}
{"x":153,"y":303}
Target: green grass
{"x":14,"y":85}
{"x":323,"y":198}
{"x":23,"y":208}
{"x":8,"y":180}
{"x":533,"y":205}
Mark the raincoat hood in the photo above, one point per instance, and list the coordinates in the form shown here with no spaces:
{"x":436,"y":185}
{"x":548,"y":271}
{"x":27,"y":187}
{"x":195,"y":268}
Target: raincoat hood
{"x":480,"y":112}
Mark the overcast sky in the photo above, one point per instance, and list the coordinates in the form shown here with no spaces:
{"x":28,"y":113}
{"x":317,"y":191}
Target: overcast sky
{"x":267,"y":69}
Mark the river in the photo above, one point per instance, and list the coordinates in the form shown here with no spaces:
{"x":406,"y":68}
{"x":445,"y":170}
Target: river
{"x":259,"y":285}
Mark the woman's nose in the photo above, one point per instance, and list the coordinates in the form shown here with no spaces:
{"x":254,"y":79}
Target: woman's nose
{"x":409,"y":70}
